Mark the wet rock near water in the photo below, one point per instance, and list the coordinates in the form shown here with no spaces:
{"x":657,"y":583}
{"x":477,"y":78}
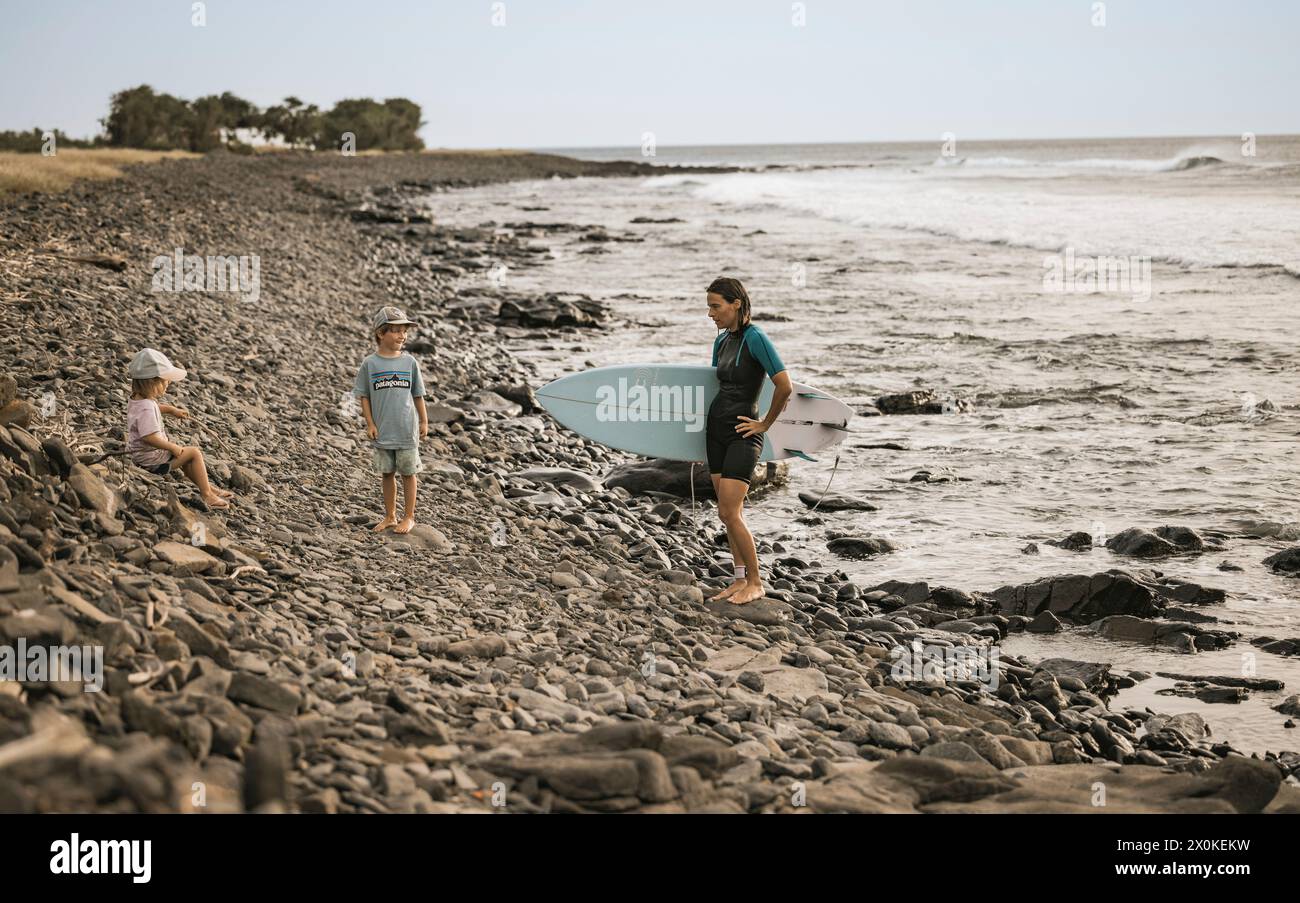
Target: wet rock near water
{"x":1085,"y":598}
{"x":1181,"y":636}
{"x":834,"y":501}
{"x":1159,"y":543}
{"x":922,"y":401}
{"x":1287,"y":646}
{"x":859,"y":546}
{"x":674,"y":478}
{"x":1286,"y":562}
{"x":1075,"y":542}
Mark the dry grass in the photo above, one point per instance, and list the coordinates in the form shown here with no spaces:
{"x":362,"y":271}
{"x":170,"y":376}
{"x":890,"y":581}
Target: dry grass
{"x":33,"y":172}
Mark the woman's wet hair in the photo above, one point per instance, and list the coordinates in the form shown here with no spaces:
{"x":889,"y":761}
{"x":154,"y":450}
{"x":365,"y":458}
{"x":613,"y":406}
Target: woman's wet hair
{"x":731,"y":290}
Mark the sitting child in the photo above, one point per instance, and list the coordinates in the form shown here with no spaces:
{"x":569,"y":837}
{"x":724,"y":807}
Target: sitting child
{"x":146,"y":441}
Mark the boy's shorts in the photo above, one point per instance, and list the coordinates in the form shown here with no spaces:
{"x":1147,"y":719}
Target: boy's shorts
{"x":405,"y":461}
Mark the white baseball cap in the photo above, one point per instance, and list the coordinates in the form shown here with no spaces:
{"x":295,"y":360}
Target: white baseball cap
{"x":149,"y":364}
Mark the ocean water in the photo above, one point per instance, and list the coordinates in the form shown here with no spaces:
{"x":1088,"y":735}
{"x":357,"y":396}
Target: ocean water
{"x":1165,"y":395}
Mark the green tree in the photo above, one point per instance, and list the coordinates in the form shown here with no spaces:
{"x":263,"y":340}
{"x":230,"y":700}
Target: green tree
{"x":34,"y":141}
{"x":297,"y":123}
{"x":211,"y":114}
{"x":138,"y":117}
{"x":391,"y":125}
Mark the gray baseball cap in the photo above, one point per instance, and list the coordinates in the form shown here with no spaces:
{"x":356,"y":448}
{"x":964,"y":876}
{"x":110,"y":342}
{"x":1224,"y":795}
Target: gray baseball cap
{"x":149,"y":364}
{"x":390,"y":316}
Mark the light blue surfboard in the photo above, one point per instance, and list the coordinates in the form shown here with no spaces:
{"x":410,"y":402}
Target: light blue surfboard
{"x":661,"y":411}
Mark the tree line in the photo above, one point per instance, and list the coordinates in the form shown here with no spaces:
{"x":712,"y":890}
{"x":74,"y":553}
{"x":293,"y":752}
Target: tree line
{"x":143,"y":118}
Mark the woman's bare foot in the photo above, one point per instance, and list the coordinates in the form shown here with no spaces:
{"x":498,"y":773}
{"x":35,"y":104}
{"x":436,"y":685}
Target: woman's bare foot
{"x":729,"y":591}
{"x":405,"y":525}
{"x":214,"y":501}
{"x":384,"y":524}
{"x":751,"y":592}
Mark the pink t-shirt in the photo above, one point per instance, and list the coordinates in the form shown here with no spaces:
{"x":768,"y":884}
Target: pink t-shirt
{"x":144,"y":417}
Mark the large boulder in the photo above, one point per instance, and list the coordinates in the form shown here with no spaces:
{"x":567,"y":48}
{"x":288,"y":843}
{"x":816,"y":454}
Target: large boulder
{"x":22,"y":448}
{"x":859,"y":546}
{"x":834,"y":501}
{"x":1180,"y":635}
{"x":93,"y":492}
{"x":921,"y":401}
{"x":552,"y":310}
{"x":1161,"y":542}
{"x":1095,"y":676}
{"x":558,"y":476}
{"x":1083,"y":599}
{"x":1286,"y":561}
{"x":16,"y":413}
{"x":674,"y":477}
{"x":185,"y":559}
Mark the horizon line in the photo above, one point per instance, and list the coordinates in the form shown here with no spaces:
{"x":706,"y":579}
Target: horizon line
{"x":1218,"y":137}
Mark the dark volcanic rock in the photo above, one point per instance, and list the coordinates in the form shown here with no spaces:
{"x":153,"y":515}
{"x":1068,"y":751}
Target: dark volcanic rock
{"x":1288,"y":646}
{"x":674,"y":477}
{"x":921,"y":401}
{"x":553,"y":310}
{"x":1181,"y":635}
{"x":1286,"y":561}
{"x":859,"y":546}
{"x":1162,"y":542}
{"x":832,"y":501}
{"x":1082,"y":599}
{"x":1074,"y":542}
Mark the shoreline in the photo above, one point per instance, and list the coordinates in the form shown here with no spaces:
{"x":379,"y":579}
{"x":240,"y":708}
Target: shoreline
{"x":954,"y":319}
{"x":308,"y":666}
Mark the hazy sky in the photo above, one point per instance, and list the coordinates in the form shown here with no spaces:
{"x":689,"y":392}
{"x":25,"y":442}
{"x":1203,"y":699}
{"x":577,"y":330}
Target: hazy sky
{"x":564,"y":73}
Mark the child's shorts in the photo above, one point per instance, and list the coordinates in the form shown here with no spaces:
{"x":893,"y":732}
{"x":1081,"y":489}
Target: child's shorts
{"x":159,"y":469}
{"x":405,"y":461}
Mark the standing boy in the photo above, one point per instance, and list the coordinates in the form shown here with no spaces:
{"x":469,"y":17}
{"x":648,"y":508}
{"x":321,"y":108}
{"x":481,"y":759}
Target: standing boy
{"x":392,"y":400}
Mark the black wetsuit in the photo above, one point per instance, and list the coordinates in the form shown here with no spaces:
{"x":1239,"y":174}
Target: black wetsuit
{"x":743,"y":359}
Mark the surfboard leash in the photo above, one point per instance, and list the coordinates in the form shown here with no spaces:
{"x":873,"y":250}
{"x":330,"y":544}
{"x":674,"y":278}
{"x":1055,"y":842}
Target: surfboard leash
{"x":692,"y":491}
{"x":834,"y":467}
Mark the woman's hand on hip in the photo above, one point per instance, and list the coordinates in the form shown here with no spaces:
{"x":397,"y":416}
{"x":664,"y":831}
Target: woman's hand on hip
{"x":749,"y":427}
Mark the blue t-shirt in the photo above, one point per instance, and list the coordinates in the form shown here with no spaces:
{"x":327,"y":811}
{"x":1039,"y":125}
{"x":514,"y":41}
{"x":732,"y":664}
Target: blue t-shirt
{"x":392,"y":384}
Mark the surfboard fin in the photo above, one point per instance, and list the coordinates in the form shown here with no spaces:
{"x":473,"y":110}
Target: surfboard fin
{"x":799,"y":454}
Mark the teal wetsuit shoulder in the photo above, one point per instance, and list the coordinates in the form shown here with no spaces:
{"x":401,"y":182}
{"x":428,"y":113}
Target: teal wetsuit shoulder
{"x":760,"y":346}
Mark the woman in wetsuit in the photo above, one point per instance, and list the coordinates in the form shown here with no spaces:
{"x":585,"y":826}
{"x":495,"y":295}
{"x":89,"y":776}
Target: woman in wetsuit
{"x":743,"y":356}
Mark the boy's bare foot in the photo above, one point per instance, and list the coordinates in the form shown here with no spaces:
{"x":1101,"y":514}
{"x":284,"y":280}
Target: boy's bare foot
{"x":751,"y":592}
{"x":224,"y":493}
{"x":405,"y":525}
{"x":729,"y":591}
{"x":385,"y":524}
{"x":215,"y":501}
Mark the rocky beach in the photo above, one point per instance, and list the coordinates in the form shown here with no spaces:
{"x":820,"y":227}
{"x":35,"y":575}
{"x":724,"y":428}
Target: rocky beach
{"x":540,"y":642}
